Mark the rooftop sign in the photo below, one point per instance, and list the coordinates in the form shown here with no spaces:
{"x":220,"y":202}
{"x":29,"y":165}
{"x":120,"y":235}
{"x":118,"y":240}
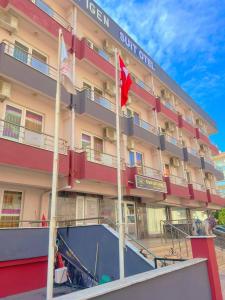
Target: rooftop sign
{"x":99,"y":16}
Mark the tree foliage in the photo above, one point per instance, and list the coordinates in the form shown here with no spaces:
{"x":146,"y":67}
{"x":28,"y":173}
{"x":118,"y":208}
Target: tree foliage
{"x":221,"y":217}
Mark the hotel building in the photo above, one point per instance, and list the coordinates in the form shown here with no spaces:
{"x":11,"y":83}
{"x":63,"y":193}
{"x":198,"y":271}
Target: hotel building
{"x":219,"y":161}
{"x":168,"y":172}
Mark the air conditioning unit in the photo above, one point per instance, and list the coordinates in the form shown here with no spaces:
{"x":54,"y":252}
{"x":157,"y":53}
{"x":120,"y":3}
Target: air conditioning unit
{"x":199,"y":122}
{"x":8,"y":22}
{"x":209,"y":176}
{"x":5,"y":90}
{"x":175,"y":162}
{"x":108,"y":47}
{"x":171,"y":127}
{"x":109,"y":134}
{"x":130,"y":144}
{"x":109,"y":88}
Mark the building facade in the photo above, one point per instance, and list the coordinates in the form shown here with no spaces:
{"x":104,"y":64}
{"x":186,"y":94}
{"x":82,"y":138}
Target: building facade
{"x":168,"y":172}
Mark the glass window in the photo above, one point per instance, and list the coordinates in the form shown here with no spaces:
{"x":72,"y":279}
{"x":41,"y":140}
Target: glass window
{"x":197,"y":214}
{"x":86,"y":141}
{"x":178,"y":213}
{"x":13,"y":117}
{"x":136,"y":118}
{"x":43,"y":6}
{"x":11,"y":208}
{"x":131,"y":158}
{"x":33,"y":121}
{"x":139,"y":159}
{"x":21,"y":52}
{"x":39,"y":62}
{"x":154,"y":216}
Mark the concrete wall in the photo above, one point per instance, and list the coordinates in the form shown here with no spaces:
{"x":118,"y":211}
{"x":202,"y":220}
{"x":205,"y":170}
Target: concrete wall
{"x":186,"y":281}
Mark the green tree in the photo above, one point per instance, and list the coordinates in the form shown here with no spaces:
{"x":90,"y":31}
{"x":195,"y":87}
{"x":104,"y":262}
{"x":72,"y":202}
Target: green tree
{"x":221,"y":217}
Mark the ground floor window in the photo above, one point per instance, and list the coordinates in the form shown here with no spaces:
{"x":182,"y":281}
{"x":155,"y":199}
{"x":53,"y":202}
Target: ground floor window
{"x":199,"y":214}
{"x":10,"y":208}
{"x":178,"y":214}
{"x":154,"y":217}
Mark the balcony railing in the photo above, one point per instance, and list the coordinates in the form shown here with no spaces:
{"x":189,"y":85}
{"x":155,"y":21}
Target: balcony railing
{"x":203,"y":131}
{"x":168,"y":105}
{"x":193,"y":151}
{"x":101,"y":158}
{"x":20,"y":134}
{"x":145,"y":125}
{"x":178,"y":180}
{"x":209,"y":160}
{"x":142,"y":84}
{"x":188,"y":119}
{"x":149,"y":172}
{"x":30,"y":60}
{"x":173,"y":140}
{"x":53,"y":14}
{"x":101,"y":100}
{"x":100,"y":52}
{"x":198,"y":186}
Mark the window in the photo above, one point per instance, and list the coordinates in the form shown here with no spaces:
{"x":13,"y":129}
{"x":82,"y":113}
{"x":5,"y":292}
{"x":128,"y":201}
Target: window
{"x":136,"y":159}
{"x":86,"y":141}
{"x":13,"y":118}
{"x":21,"y":52}
{"x":43,"y":6}
{"x":33,"y":121}
{"x":39,"y":62}
{"x":10,"y":208}
{"x":93,"y":145}
{"x":167,"y":170}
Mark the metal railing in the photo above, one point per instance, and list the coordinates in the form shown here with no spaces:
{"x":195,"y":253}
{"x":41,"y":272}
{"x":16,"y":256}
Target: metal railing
{"x":142,"y":84}
{"x":145,"y":125}
{"x":20,"y":134}
{"x":168,"y":104}
{"x":101,"y":100}
{"x":188,"y":119}
{"x":193,"y":151}
{"x":177,"y":237}
{"x":28,"y":59}
{"x":149,"y":172}
{"x":178,"y":180}
{"x":101,"y":158}
{"x":52,"y":13}
{"x":173,"y":140}
{"x":99,"y":51}
{"x":209,"y":160}
{"x":198,"y":186}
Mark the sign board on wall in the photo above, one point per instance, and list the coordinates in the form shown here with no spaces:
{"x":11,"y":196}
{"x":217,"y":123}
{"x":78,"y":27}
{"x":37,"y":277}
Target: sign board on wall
{"x":150,"y":184}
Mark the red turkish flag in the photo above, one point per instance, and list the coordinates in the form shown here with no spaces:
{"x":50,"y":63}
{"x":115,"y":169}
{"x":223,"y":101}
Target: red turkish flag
{"x":126,"y":82}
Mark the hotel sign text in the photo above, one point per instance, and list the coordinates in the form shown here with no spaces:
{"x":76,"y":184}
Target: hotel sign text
{"x":151,"y":184}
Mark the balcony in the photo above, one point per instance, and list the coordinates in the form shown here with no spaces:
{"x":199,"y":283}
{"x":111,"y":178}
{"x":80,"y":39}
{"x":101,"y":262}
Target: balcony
{"x":191,"y":156}
{"x":37,"y":75}
{"x":145,"y":178}
{"x":141,"y":130}
{"x":186,"y":124}
{"x":215,"y":197}
{"x":177,"y":186}
{"x":101,"y":62}
{"x":167,"y":110}
{"x":92,"y":165}
{"x":172,"y":145}
{"x":208,"y":165}
{"x":31,"y":150}
{"x":96,"y":106}
{"x":198,"y":192}
{"x":42,"y":15}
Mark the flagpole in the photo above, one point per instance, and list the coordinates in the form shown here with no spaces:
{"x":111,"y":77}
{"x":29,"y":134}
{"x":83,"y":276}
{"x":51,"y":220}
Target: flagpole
{"x":52,"y":226}
{"x":119,"y":187}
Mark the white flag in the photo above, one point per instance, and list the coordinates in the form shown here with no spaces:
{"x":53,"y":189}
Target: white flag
{"x":66,"y":68}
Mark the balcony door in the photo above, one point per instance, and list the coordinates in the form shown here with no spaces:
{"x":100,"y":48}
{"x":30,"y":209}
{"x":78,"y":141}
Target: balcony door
{"x":12,"y":122}
{"x":94,"y":146}
{"x":98,"y":148}
{"x":136,"y":159}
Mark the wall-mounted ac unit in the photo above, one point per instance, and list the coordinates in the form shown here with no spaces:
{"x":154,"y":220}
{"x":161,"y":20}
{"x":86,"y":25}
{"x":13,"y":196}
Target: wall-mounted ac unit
{"x":8,"y":22}
{"x":109,"y":88}
{"x":175,"y":162}
{"x":199,"y":122}
{"x":165,"y":93}
{"x":171,"y":127}
{"x":109,"y":134}
{"x":108,"y":47}
{"x":130,"y":144}
{"x":209,"y":176}
{"x":5,"y":90}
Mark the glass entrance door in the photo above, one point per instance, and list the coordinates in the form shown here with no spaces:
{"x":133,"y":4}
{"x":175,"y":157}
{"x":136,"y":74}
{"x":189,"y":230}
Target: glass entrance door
{"x":129,"y":218}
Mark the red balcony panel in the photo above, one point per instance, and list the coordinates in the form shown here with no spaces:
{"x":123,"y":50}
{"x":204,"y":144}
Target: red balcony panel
{"x":161,"y":108}
{"x":176,"y":190}
{"x":215,"y":199}
{"x":214,"y":149}
{"x":94,"y":58}
{"x":131,"y":172}
{"x":88,"y":170}
{"x":28,"y":157}
{"x":186,"y":126}
{"x":202,"y":137}
{"x":197,"y":195}
{"x":143,"y":94}
{"x":28,"y":9}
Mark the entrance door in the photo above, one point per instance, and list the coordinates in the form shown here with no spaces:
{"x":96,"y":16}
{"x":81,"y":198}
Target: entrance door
{"x":129,"y":217}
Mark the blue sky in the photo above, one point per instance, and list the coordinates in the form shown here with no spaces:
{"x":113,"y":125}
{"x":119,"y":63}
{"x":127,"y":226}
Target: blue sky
{"x":187,"y":39}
